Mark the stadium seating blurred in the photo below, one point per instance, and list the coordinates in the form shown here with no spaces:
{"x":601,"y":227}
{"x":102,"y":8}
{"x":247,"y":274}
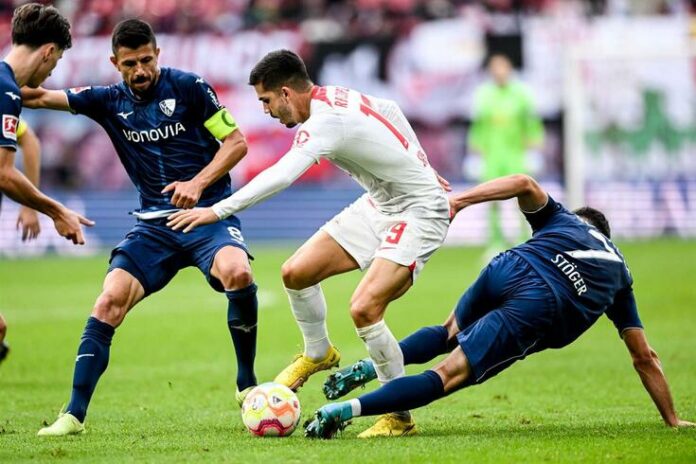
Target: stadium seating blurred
{"x":428,"y":56}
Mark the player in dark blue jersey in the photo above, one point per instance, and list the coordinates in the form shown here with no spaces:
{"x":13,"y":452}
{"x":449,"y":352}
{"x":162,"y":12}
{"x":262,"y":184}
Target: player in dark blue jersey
{"x":177,"y":143}
{"x":40,"y":35}
{"x":542,"y":294}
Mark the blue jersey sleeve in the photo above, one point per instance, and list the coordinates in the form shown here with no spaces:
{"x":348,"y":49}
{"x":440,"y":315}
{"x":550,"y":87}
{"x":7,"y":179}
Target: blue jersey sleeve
{"x":623,"y":312}
{"x":90,"y":101}
{"x":10,"y":107}
{"x":541,"y":217}
{"x":202,"y":98}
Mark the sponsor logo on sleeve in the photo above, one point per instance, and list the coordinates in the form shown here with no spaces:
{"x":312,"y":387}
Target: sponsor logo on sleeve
{"x":13,"y":96}
{"x":76,"y":90}
{"x":214,"y":99}
{"x":168,"y":106}
{"x":9,"y":126}
{"x":301,"y":138}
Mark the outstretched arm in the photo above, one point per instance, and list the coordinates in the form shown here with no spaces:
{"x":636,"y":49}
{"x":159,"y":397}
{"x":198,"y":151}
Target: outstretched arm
{"x":16,"y":186}
{"x":528,"y":192}
{"x":43,"y":98}
{"x":649,"y":368}
{"x":269,"y":182}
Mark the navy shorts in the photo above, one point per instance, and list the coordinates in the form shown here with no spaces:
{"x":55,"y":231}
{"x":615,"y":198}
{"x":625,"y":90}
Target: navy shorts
{"x":504,"y":316}
{"x":153,"y":253}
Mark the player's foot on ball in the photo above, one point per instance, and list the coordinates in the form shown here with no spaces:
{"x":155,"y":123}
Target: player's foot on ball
{"x":391,"y":425}
{"x":66,"y":424}
{"x":329,"y":420}
{"x":4,"y":350}
{"x":297,"y":373}
{"x":240,"y":396}
{"x":341,"y":382}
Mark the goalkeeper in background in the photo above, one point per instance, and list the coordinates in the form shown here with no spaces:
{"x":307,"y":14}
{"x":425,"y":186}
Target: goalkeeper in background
{"x":504,"y":127}
{"x":28,"y":219}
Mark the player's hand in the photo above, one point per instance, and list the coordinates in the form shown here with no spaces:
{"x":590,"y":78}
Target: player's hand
{"x":28,"y":220}
{"x":192,"y":218}
{"x":444,"y":183}
{"x":186,"y":194}
{"x":453,"y":208}
{"x":69,"y":224}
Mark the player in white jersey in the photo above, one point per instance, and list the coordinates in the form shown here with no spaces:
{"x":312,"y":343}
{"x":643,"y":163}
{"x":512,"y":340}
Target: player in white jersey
{"x":391,"y":231}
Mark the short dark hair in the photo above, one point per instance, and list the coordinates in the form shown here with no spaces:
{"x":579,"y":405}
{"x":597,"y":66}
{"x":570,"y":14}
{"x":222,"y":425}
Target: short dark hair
{"x":596,"y":218}
{"x":279,"y":68}
{"x":132,"y":33}
{"x":35,"y":25}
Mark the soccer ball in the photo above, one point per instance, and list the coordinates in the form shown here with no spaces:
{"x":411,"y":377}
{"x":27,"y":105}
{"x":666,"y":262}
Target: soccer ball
{"x":271,"y":410}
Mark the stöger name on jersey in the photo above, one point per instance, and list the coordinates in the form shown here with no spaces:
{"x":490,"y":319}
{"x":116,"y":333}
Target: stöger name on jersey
{"x":570,"y":271}
{"x":153,"y":135}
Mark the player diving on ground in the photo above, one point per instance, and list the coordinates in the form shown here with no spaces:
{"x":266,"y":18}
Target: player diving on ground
{"x":541,"y":294}
{"x":390,"y":232}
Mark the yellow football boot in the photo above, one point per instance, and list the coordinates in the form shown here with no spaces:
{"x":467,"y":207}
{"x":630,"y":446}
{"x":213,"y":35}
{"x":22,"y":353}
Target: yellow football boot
{"x":66,"y":424}
{"x":302,"y":367}
{"x":391,"y":425}
{"x":240,"y":396}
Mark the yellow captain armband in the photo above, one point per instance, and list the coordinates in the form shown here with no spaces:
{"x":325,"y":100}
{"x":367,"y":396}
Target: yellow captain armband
{"x":221,"y":124}
{"x":21,"y":128}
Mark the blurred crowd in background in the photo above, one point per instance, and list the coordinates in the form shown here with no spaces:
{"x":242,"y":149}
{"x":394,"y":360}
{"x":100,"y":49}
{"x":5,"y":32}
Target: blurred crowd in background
{"x":323,"y":19}
{"x":608,"y":81}
{"x":362,"y":44}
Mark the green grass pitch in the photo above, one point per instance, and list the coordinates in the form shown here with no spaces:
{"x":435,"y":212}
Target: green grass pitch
{"x":168,"y":394}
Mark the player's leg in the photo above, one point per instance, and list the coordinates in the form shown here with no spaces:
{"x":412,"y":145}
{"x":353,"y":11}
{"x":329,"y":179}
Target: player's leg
{"x":127,"y":282}
{"x":121,"y":291}
{"x":429,"y":342}
{"x":487,"y":347}
{"x":384,"y":281}
{"x":404,"y":393}
{"x":320,"y":257}
{"x":4,"y":348}
{"x":231,"y":267}
{"x":219,"y":251}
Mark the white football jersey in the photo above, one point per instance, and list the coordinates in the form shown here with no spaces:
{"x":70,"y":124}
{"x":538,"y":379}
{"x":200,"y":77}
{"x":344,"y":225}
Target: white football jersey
{"x":370,"y":139}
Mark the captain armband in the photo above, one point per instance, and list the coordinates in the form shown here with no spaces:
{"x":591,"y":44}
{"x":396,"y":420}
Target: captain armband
{"x":221,"y":124}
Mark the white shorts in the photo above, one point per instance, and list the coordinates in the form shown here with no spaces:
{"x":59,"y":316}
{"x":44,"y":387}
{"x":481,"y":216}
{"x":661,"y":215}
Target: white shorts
{"x":406,"y":239}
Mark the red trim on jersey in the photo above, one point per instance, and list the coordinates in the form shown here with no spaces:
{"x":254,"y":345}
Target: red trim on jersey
{"x":412,"y":267}
{"x":319,"y":93}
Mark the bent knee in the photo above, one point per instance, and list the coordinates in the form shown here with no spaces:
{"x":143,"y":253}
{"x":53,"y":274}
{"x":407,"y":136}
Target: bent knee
{"x":110,"y":308}
{"x":295,"y":276}
{"x":236,"y":276}
{"x":365,"y":310}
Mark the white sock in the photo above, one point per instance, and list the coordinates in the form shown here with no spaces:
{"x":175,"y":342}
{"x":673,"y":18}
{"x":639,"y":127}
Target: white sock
{"x":356,"y":407}
{"x":309,"y":307}
{"x":384,"y":350}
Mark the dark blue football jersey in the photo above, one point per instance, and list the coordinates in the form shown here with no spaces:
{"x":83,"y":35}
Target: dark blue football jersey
{"x":160,"y":139}
{"x":585,"y":270}
{"x":10,"y":106}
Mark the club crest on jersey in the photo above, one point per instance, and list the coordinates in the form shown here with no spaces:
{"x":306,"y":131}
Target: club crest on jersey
{"x":9,"y":126}
{"x":167,"y":106}
{"x":301,"y":138}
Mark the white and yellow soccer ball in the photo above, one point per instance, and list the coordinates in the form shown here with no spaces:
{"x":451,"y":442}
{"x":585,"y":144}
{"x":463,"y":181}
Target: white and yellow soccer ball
{"x":271,"y":410}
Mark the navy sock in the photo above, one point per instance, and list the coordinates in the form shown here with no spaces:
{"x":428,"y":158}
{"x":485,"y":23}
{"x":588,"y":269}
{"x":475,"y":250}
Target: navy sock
{"x":242,"y":318}
{"x":424,"y":345}
{"x":403,"y":394}
{"x":91,"y":362}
